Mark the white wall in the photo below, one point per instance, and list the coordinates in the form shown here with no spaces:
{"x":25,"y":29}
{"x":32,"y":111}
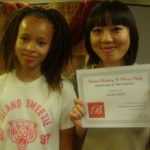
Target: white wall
{"x":142,"y":16}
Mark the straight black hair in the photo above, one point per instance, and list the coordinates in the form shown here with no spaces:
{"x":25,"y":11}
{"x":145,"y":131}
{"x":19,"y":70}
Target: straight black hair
{"x":115,"y":13}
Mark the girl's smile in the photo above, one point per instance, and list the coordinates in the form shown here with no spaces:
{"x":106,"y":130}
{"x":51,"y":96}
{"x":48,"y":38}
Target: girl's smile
{"x":108,"y":49}
{"x":29,"y":58}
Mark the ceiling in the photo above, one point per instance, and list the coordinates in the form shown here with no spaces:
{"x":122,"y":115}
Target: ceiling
{"x":136,"y":2}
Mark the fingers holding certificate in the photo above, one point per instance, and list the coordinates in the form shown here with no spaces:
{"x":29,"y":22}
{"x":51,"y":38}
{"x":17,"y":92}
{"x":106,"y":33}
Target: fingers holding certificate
{"x":115,"y":97}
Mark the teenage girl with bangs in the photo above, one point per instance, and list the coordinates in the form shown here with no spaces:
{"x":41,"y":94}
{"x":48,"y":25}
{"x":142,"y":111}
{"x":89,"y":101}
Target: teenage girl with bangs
{"x":111,"y":40}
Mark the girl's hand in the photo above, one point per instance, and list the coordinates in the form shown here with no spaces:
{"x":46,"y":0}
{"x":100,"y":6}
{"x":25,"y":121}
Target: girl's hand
{"x":77,"y":113}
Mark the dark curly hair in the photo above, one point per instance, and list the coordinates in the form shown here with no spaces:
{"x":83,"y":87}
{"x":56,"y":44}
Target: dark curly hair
{"x":60,"y":50}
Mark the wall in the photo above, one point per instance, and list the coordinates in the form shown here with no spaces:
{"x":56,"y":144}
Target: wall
{"x":142,"y":16}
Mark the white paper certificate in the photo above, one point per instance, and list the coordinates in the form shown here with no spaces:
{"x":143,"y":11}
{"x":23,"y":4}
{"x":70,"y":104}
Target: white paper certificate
{"x":115,"y":97}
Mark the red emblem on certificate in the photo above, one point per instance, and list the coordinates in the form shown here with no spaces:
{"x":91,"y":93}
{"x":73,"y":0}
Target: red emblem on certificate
{"x":96,"y":110}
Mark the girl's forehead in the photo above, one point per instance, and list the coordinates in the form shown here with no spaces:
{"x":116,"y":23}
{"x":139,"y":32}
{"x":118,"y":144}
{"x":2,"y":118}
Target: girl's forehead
{"x":36,"y":25}
{"x":31,"y":19}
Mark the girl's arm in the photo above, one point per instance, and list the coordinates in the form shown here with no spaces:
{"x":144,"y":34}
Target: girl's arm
{"x":66,"y":139}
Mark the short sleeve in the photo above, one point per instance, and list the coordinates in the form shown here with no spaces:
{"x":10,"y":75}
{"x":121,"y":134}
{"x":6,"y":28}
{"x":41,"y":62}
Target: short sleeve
{"x":68,"y":96}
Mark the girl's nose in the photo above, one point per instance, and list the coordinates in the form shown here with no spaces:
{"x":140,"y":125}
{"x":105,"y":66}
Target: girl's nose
{"x":106,"y":36}
{"x":31,"y":46}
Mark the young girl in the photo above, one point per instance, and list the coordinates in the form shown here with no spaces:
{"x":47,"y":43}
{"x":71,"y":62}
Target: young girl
{"x":35,"y":100}
{"x":111,"y":39}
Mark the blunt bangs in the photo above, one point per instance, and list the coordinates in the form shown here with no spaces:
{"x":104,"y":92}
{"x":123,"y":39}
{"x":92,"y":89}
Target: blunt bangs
{"x":104,"y":16}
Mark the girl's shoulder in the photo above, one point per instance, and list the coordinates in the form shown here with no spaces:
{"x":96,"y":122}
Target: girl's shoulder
{"x":67,"y":87}
{"x":4,"y":79}
{"x":66,"y":83}
{"x":4,"y":76}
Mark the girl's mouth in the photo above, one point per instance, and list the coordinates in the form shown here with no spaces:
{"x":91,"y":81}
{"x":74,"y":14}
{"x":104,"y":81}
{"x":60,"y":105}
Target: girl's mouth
{"x":29,"y":58}
{"x":108,"y":49}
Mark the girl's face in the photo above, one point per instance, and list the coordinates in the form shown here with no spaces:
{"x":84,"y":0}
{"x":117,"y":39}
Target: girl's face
{"x":33,"y":42}
{"x":110,"y":43}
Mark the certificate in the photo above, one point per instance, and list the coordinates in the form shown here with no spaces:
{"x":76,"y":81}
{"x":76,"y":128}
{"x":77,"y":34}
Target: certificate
{"x":116,"y":96}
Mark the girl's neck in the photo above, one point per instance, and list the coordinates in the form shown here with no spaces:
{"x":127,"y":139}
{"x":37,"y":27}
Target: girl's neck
{"x":112,"y":64}
{"x":27,"y":75}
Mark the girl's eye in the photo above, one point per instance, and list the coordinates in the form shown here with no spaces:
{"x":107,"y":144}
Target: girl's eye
{"x":41,"y":43}
{"x":23,"y":39}
{"x":116,"y":29}
{"x":96,"y":30}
